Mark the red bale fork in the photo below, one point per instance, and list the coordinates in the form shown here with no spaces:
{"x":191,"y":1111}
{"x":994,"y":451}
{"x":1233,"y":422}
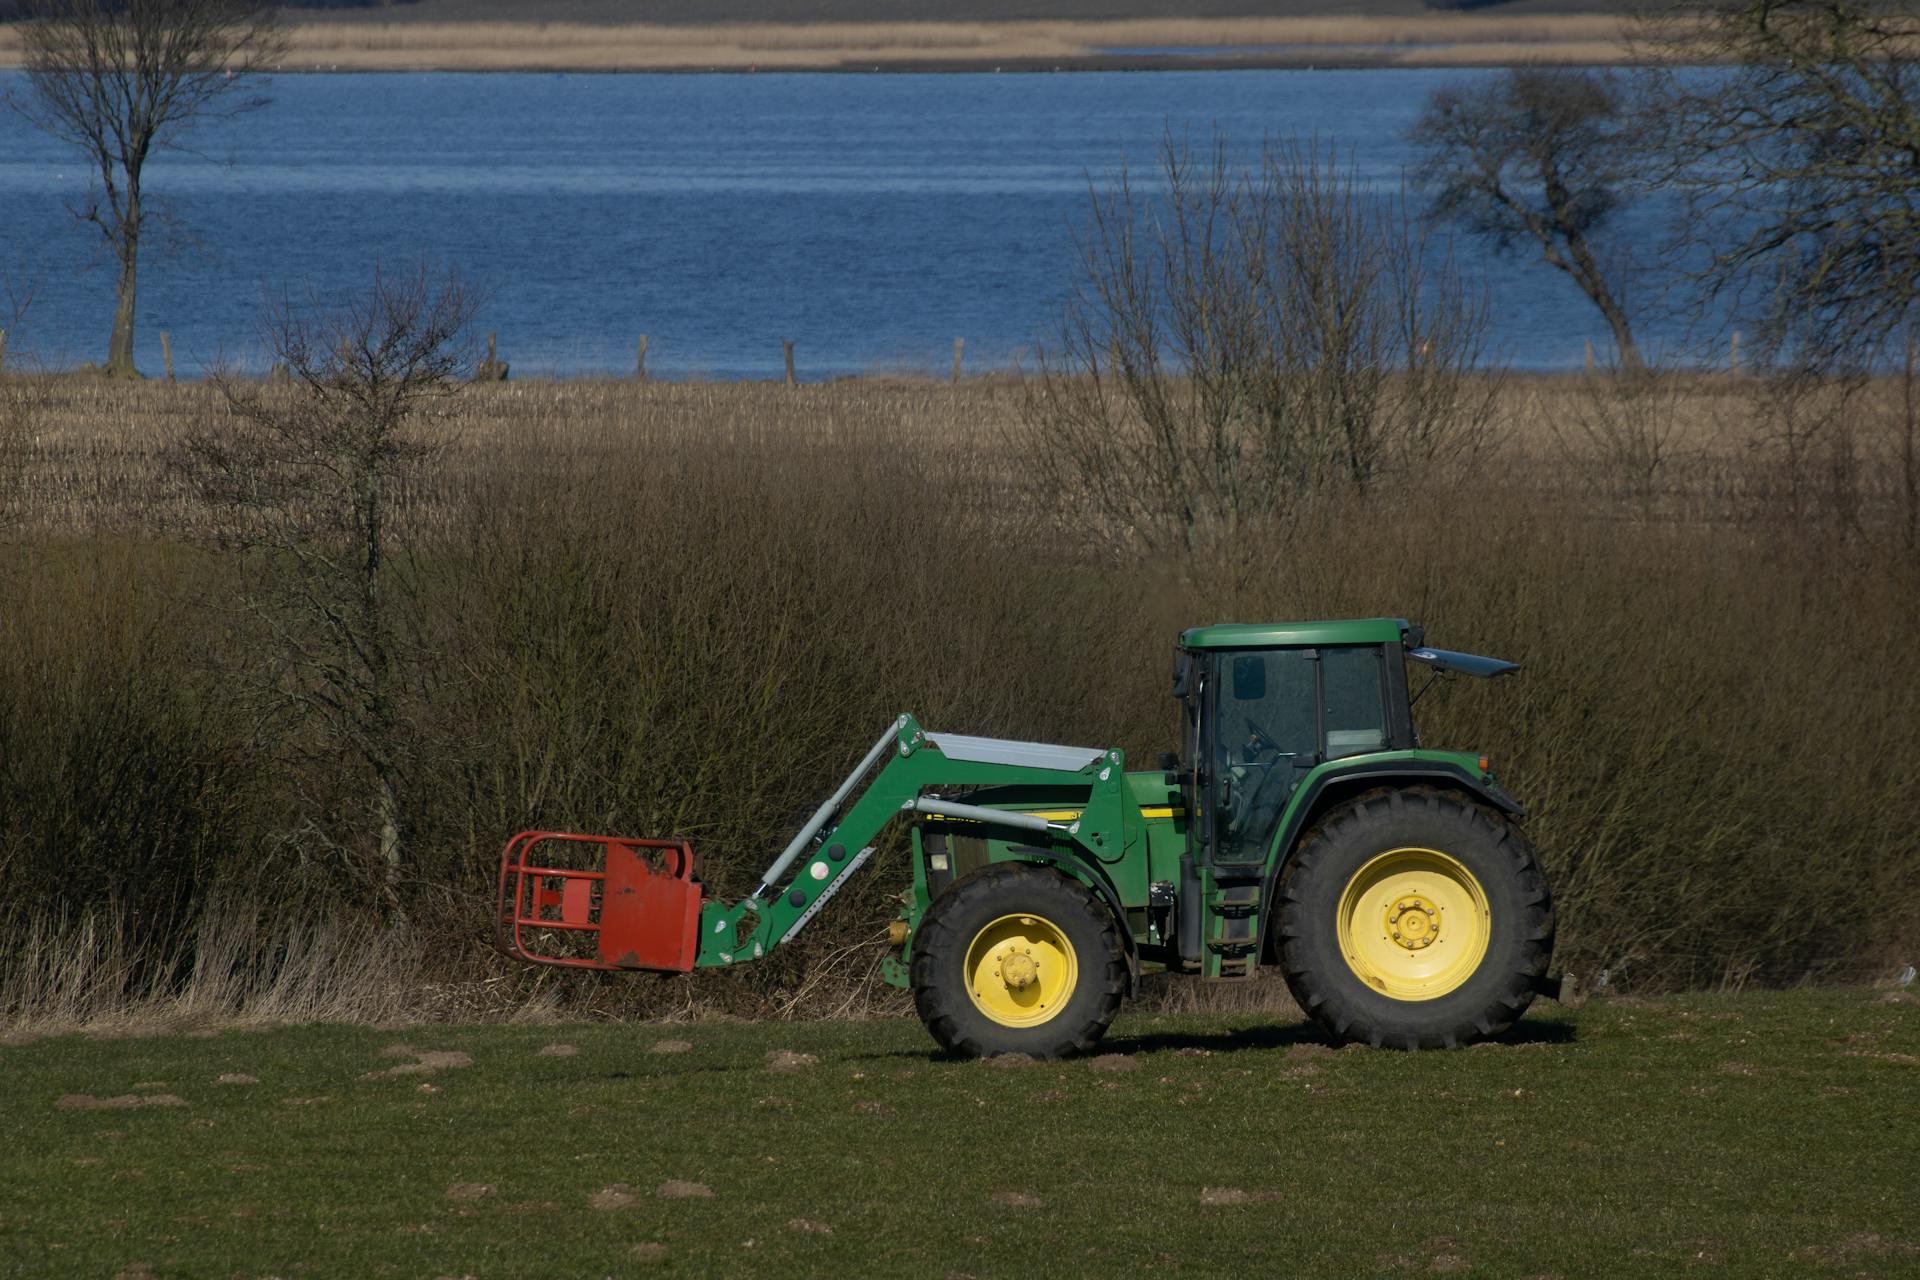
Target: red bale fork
{"x":639,"y":910}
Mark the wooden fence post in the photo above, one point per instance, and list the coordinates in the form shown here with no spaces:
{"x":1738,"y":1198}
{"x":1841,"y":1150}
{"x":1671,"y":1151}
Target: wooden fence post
{"x":640,"y":360}
{"x":1733,"y":352}
{"x":3,"y":350}
{"x":786,"y":347}
{"x":166,"y":353}
{"x":959,"y":345}
{"x":1589,"y":355}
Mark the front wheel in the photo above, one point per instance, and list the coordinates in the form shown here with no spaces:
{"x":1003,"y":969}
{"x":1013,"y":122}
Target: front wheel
{"x":1018,"y":959}
{"x":1414,"y":919}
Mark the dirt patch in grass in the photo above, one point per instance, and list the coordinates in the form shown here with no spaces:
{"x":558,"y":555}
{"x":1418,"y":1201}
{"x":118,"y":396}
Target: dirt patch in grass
{"x":785,"y":1062}
{"x":1296,"y":1052}
{"x":1236,"y":1195}
{"x":1865,"y":1244}
{"x":556,"y":1051}
{"x":1017,"y":1200}
{"x":808,"y":1226}
{"x":1114,"y":1062}
{"x":670,"y":1046}
{"x":618,"y":1195}
{"x":122,"y":1102}
{"x":674,"y":1189}
{"x":1005,"y":1061}
{"x":870,"y":1107}
{"x":469,"y":1191}
{"x":236,"y":1077}
{"x":425,"y":1062}
{"x":647,"y":1251}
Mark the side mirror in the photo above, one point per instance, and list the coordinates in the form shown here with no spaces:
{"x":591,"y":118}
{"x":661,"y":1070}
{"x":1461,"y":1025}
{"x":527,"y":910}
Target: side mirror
{"x":1182,"y":673}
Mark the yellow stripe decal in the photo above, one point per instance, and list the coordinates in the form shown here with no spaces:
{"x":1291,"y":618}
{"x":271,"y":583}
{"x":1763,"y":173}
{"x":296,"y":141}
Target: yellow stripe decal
{"x":1060,"y":815}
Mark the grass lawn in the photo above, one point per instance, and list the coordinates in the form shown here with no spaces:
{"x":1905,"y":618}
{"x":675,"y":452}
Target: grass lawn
{"x":1749,"y":1135}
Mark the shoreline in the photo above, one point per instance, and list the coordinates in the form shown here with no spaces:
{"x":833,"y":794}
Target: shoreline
{"x":1423,"y":41}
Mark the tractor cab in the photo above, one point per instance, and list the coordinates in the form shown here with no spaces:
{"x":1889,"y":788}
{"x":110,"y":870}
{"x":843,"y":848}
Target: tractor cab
{"x":1264,"y":707}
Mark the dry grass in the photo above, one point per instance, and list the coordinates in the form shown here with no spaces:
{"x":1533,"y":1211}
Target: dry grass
{"x":1411,"y":39}
{"x":83,"y":456}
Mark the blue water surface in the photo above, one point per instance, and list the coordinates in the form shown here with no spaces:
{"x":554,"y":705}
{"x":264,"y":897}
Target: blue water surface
{"x":872,"y":219}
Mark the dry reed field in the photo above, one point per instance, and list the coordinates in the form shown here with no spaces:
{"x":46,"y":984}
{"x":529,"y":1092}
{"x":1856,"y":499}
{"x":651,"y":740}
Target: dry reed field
{"x":680,"y":609}
{"x":1413,"y":39}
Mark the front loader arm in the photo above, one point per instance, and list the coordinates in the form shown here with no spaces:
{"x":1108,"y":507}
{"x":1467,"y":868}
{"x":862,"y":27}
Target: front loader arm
{"x":837,"y":841}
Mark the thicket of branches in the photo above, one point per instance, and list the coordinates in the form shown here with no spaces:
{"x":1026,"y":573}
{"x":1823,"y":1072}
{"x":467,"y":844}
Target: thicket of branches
{"x":302,"y":484}
{"x":1243,"y":340}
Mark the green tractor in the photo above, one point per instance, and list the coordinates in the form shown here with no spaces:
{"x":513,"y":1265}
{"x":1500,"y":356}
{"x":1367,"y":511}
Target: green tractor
{"x":1300,"y":824}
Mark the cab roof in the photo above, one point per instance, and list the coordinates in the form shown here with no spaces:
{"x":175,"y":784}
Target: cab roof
{"x":1254,"y":635}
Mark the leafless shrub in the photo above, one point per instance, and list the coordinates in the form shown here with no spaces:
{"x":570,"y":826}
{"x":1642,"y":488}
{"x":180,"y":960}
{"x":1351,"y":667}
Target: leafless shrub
{"x":1244,"y":342}
{"x":1621,"y":431}
{"x":306,"y":486}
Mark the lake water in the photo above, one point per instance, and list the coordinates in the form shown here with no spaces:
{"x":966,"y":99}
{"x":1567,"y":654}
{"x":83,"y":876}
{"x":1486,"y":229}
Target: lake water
{"x":870,"y":218}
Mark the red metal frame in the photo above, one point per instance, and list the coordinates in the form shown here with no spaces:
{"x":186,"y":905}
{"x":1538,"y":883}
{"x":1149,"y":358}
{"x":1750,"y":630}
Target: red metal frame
{"x":642,"y":907}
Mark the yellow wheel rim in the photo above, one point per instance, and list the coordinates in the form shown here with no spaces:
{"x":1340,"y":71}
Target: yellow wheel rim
{"x":1414,"y":924}
{"x":1021,"y":970}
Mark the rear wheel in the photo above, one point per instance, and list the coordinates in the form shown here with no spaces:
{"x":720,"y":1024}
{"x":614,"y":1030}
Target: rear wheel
{"x":1414,"y":919}
{"x":1018,"y":959}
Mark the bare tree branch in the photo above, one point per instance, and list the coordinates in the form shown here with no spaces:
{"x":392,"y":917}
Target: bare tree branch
{"x":1799,"y":167}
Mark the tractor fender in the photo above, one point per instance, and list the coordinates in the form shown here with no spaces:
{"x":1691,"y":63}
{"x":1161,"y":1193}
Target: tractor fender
{"x":1095,"y":877}
{"x":1335,"y":785}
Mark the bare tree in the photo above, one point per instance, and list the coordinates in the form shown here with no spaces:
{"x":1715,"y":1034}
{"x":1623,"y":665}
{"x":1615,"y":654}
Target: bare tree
{"x":120,"y":79}
{"x":1246,"y":339}
{"x":1800,"y":168}
{"x":306,"y":482}
{"x":1540,"y":158}
{"x":16,"y":300}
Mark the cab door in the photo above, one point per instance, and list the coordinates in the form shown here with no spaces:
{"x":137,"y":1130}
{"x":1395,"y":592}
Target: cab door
{"x":1275,"y":714}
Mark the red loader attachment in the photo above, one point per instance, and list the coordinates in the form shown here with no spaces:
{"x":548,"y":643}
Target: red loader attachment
{"x":599,"y":902}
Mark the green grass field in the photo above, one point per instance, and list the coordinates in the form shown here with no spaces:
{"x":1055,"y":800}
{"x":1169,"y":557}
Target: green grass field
{"x":1750,"y":1135}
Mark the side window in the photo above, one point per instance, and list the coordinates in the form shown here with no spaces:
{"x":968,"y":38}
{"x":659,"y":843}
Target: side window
{"x":1355,"y":710}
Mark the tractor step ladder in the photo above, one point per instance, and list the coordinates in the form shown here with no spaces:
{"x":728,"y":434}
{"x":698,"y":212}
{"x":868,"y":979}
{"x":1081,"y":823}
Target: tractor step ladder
{"x":634,"y":905}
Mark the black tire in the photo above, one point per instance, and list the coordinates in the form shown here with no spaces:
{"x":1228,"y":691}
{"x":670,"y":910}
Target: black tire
{"x":958,"y":916}
{"x":1519,"y":924}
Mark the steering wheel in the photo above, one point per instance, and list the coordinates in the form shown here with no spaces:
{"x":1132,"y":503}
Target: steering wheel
{"x":1261,"y":741}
